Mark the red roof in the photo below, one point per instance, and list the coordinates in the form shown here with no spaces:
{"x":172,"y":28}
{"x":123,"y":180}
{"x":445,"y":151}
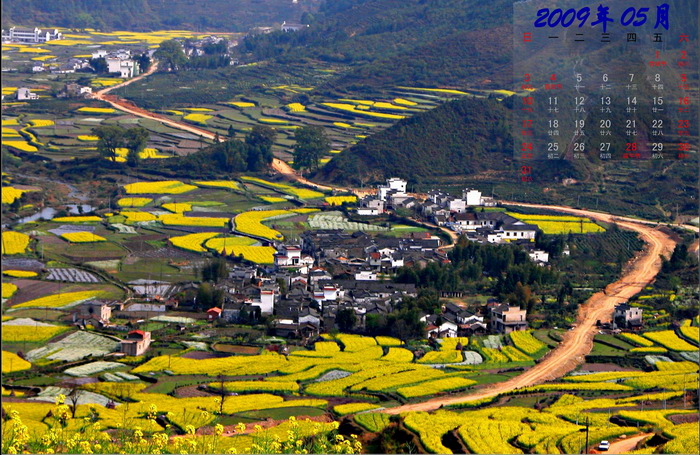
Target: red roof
{"x":375,"y":255}
{"x":139,"y":332}
{"x":216,"y":310}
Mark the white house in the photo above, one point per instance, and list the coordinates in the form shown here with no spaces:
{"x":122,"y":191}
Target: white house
{"x":393,"y":185}
{"x":288,"y":256}
{"x":473,"y":197}
{"x":29,"y":35}
{"x":125,"y":68}
{"x":539,"y":256}
{"x":457,"y":205}
{"x":24,"y":93}
{"x":366,"y":275}
{"x":266,"y":301}
{"x":101,"y":53}
{"x":370,"y":207}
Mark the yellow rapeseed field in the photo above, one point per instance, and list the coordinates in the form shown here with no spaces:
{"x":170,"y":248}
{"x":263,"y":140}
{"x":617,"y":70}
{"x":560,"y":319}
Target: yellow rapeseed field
{"x":14,"y":242}
{"x":19,"y":273}
{"x":161,"y":187}
{"x":8,"y":290}
{"x":29,"y":333}
{"x":199,"y":119}
{"x":20,"y":145}
{"x":176,"y":219}
{"x":9,"y":194}
{"x":230,"y":184}
{"x":97,"y":110}
{"x":77,"y":219}
{"x":192,"y":242}
{"x":59,"y":300}
{"x":82,"y":237}
{"x":134,"y":201}
{"x":11,"y":362}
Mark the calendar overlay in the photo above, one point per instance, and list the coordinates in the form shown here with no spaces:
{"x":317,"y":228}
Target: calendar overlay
{"x":604,"y":81}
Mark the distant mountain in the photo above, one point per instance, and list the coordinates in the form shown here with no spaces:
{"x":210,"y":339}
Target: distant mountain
{"x":421,"y":42}
{"x":145,"y":15}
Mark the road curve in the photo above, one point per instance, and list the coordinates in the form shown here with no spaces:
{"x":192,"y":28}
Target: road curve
{"x":577,"y":342}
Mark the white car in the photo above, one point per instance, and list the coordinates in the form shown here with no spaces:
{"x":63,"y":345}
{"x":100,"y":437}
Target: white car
{"x":604,"y":445}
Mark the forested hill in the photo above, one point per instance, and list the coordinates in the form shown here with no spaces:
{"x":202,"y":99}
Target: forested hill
{"x":463,"y":137}
{"x":426,"y":42}
{"x":146,"y":15}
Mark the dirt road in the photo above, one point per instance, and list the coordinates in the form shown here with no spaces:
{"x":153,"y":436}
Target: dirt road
{"x":625,"y":445}
{"x":576,"y":343}
{"x":130,"y":108}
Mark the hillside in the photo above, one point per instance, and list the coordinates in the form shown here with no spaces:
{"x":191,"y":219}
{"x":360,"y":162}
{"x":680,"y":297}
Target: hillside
{"x":462,"y":137}
{"x":468,"y":142}
{"x":145,"y":15}
{"x":386,"y":41}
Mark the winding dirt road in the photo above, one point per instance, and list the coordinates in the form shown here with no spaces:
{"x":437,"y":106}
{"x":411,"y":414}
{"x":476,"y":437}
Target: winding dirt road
{"x":576,"y":343}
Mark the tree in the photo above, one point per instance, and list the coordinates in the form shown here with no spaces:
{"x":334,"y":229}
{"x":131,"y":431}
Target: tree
{"x":346,"y":319}
{"x":171,"y":55}
{"x":99,"y":65}
{"x":215,"y":270}
{"x":221,"y":391}
{"x":135,"y":140}
{"x":110,"y":138}
{"x":144,"y":61}
{"x":311,"y":144}
{"x":73,"y":397}
{"x":204,"y":296}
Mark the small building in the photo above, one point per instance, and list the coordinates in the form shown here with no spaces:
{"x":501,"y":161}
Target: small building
{"x":291,"y":27}
{"x":288,"y":256}
{"x":136,"y":343}
{"x":541,"y":257}
{"x":126,"y":68}
{"x":93,"y":312}
{"x":370,"y":207}
{"x":506,"y":319}
{"x":393,"y":185}
{"x":23,"y":93}
{"x":472,"y":197}
{"x":626,"y":316}
{"x":213,"y":313}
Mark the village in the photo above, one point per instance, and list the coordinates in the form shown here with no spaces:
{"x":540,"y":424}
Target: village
{"x":334,"y":280}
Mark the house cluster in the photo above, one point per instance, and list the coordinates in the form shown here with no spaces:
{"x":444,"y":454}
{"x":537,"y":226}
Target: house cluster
{"x":73,"y":90}
{"x":304,"y":301}
{"x":195,"y":48}
{"x":98,"y":313}
{"x":118,"y":62}
{"x":29,"y":35}
{"x":366,"y":258}
{"x":457,"y":321}
{"x":392,"y":194}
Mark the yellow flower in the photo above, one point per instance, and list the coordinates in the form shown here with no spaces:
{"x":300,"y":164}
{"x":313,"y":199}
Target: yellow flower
{"x":190,"y":429}
{"x":60,"y":399}
{"x":257,"y":428}
{"x":219,"y":429}
{"x":240,"y":427}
